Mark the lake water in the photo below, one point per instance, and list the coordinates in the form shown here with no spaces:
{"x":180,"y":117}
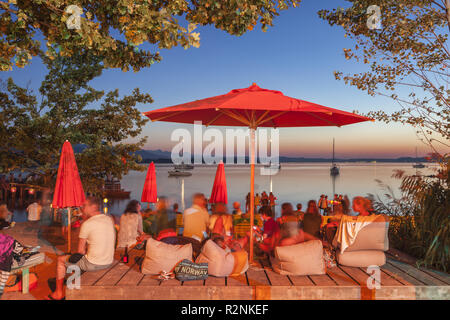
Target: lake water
{"x":295,"y":183}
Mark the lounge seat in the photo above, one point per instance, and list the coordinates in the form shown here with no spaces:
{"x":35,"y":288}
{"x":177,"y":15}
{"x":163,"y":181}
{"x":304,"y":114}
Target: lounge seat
{"x":300,"y":259}
{"x":369,"y":246}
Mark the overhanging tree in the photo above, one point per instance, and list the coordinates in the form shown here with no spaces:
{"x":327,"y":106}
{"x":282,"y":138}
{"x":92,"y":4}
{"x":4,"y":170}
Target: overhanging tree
{"x":33,"y":132}
{"x":408,"y":53}
{"x":115,"y":29}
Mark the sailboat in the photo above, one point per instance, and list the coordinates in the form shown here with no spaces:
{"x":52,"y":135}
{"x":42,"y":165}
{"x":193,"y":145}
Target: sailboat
{"x":418,"y":165}
{"x":334,"y":170}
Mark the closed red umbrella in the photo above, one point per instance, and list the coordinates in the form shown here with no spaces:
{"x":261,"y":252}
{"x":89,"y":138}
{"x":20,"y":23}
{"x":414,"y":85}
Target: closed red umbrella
{"x":149,"y":193}
{"x":68,"y":190}
{"x":255,"y":107}
{"x":219,"y":190}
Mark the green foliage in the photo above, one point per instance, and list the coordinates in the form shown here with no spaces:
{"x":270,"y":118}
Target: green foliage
{"x":33,"y":132}
{"x":409,"y":52}
{"x":420,"y":219}
{"x":114,"y":29}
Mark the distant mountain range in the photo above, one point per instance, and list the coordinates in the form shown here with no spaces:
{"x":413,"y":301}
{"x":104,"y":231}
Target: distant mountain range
{"x":159,"y":156}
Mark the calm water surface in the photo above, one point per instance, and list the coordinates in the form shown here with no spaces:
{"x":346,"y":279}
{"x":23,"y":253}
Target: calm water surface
{"x":295,"y":183}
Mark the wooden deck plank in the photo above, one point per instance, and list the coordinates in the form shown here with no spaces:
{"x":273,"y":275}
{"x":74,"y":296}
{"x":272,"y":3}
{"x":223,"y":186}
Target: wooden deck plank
{"x":385,"y":278}
{"x":356,"y":274}
{"x":437,"y":274}
{"x":340,"y":277}
{"x":170,"y":283}
{"x":194,"y":283}
{"x":401,"y":276}
{"x":149,"y":281}
{"x":416,"y":273}
{"x":91,"y":277}
{"x":301,"y":281}
{"x":114,"y":275}
{"x":257,"y":277}
{"x":240,"y":281}
{"x":215,"y":281}
{"x":322,"y":280}
{"x":275,"y":279}
{"x":134,"y":275}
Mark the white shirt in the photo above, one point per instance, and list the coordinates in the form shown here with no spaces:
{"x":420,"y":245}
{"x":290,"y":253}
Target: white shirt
{"x":34,"y":212}
{"x":100,"y":234}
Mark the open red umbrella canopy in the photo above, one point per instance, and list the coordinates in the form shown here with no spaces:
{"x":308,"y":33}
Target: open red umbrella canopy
{"x":68,"y":190}
{"x":149,"y":193}
{"x":219,"y":190}
{"x":255,"y":107}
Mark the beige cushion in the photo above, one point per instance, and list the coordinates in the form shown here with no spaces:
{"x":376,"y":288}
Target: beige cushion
{"x":160,"y":256}
{"x":372,"y":237}
{"x":300,"y":259}
{"x":220,"y":262}
{"x":362,"y":258}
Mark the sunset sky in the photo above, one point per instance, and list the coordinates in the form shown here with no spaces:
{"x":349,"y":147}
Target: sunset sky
{"x":297,"y":56}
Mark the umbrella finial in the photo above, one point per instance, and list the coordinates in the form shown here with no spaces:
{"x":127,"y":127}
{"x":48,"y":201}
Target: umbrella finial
{"x":254,"y":84}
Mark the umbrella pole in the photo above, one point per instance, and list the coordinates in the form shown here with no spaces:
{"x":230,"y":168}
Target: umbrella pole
{"x":68,"y":230}
{"x":252,"y":188}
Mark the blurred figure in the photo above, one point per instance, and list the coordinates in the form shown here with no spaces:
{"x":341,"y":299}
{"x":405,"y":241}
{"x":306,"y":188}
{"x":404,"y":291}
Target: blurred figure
{"x":257,"y":202}
{"x":288,"y":221}
{"x":163,"y":218}
{"x":237,"y":209}
{"x":323,"y":204}
{"x":196,"y":219}
{"x":272,"y":199}
{"x":247,"y":202}
{"x":5,"y":217}
{"x":268,"y":237}
{"x":131,"y":226}
{"x":362,"y":206}
{"x":34,"y":211}
{"x":221,"y":223}
{"x":299,"y":212}
{"x":312,"y":220}
{"x":346,"y":205}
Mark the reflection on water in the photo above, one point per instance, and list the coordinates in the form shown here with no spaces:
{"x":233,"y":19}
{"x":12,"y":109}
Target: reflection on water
{"x":295,"y":183}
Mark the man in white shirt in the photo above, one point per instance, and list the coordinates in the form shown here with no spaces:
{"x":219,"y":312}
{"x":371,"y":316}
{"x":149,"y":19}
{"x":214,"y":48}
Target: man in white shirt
{"x":34,"y":211}
{"x":196,"y":219}
{"x":95,"y":246}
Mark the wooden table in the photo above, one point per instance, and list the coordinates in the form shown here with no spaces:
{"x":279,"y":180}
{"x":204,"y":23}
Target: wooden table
{"x":398,"y":281}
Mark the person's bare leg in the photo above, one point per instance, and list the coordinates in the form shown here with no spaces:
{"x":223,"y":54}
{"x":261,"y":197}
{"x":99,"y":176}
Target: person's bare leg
{"x":60,"y":273}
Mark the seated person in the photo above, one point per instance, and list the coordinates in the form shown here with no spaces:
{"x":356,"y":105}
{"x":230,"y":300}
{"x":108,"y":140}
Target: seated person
{"x":270,"y":233}
{"x":130,"y":225}
{"x":95,"y":246}
{"x":288,"y":221}
{"x":333,"y":223}
{"x":362,"y":206}
{"x":221,"y":224}
{"x":299,"y":212}
{"x":312,"y":220}
{"x":196,"y":218}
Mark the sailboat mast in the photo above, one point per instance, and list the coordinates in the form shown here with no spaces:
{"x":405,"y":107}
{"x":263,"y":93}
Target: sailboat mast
{"x":333,"y":150}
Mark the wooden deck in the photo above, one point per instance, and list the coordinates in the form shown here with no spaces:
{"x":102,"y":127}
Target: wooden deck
{"x":398,"y":281}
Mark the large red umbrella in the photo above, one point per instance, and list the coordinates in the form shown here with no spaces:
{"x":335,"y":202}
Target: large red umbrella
{"x":149,"y":194}
{"x":255,"y":107}
{"x":68,"y":190}
{"x":219,"y":190}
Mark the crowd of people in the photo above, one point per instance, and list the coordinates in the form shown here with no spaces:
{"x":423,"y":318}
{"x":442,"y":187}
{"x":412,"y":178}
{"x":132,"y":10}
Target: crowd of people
{"x":98,"y":238}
